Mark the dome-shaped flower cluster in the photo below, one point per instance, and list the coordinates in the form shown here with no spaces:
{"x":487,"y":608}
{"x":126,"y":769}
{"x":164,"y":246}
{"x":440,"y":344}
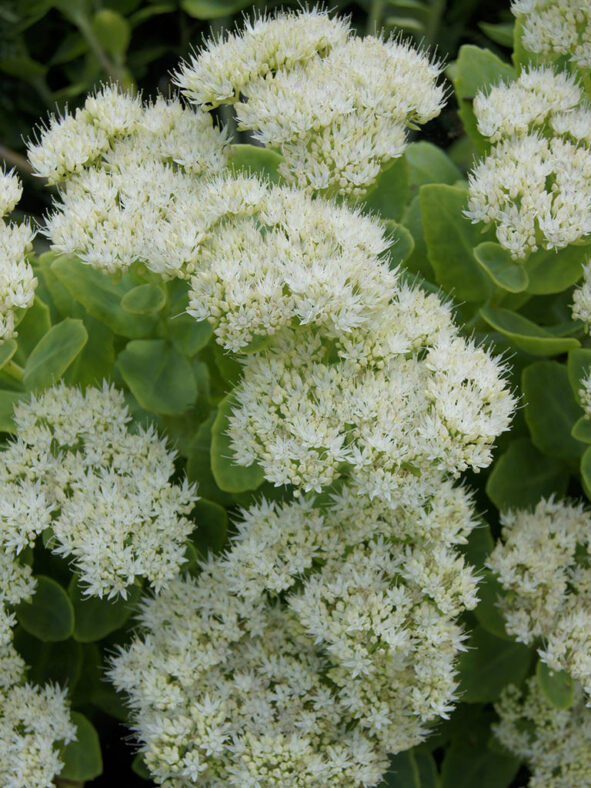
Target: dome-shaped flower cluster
{"x":103,"y":491}
{"x":34,"y":721}
{"x":322,"y":640}
{"x":542,"y":563}
{"x":336,"y":106}
{"x":17,"y":281}
{"x":552,"y":28}
{"x":556,"y":744}
{"x":541,"y":158}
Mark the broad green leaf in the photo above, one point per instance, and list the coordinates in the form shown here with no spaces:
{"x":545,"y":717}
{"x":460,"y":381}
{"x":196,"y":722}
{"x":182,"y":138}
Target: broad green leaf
{"x":390,"y":193}
{"x":101,"y":296}
{"x":7,"y":401}
{"x":402,"y":243}
{"x":579,"y":369}
{"x":428,"y":775}
{"x":113,"y":33}
{"x":551,"y":410}
{"x":32,"y":328}
{"x":7,"y":351}
{"x":557,"y":685}
{"x":64,"y":302}
{"x":158,"y":376}
{"x":212,"y":9}
{"x":476,"y":69}
{"x":229,"y":476}
{"x":54,"y":353}
{"x":523,"y":475}
{"x":82,"y":757}
{"x":418,"y":262}
{"x":466,"y":766}
{"x":500,"y":266}
{"x":450,"y":239}
{"x":550,"y":271}
{"x":138,"y":766}
{"x":429,"y":164}
{"x":526,"y":335}
{"x":95,"y":362}
{"x":487,"y":611}
{"x":188,"y":335}
{"x":59,"y":663}
{"x":199,"y":464}
{"x":212,"y":525}
{"x":489,"y":664}
{"x":582,"y":430}
{"x":228,"y":365}
{"x":144,"y":299}
{"x":23,"y":67}
{"x":586,"y":472}
{"x":258,"y":161}
{"x":501,"y":33}
{"x":96,"y":618}
{"x":49,"y":615}
{"x":403,"y":772}
{"x":148,"y":11}
{"x":480,"y":543}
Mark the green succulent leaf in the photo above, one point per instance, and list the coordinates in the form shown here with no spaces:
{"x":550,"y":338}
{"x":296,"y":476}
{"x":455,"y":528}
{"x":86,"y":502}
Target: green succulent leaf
{"x":82,"y":757}
{"x":49,"y":615}
{"x":489,"y":664}
{"x":551,"y":410}
{"x":229,"y":476}
{"x":557,"y":685}
{"x":523,"y":475}
{"x":158,"y":376}
{"x":450,"y":239}
{"x":500,"y":266}
{"x":54,"y":353}
{"x":390,"y":193}
{"x":526,"y":335}
{"x":96,"y":618}
{"x":144,"y":299}
{"x":251,"y":159}
{"x":101,"y":296}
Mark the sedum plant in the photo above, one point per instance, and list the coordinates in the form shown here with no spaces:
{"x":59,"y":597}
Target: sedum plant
{"x":250,"y":395}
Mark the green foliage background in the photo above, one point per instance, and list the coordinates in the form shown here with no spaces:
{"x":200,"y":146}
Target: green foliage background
{"x":85,"y":326}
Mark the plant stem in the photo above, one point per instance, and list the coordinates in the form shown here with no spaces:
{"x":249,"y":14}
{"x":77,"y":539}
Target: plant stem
{"x":14,"y":370}
{"x":374,"y":19}
{"x":434,"y":22}
{"x":16,"y":160}
{"x":115,"y":72}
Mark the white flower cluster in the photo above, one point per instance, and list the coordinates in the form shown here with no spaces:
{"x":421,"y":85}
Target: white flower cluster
{"x":542,"y":563}
{"x":397,"y":405}
{"x":526,"y":186}
{"x":103,"y":491}
{"x":556,"y":744}
{"x":581,"y":307}
{"x":336,"y":106}
{"x":17,"y":281}
{"x":552,"y":28}
{"x":321,"y":641}
{"x":34,"y":721}
{"x":295,"y":260}
{"x":139,"y":194}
